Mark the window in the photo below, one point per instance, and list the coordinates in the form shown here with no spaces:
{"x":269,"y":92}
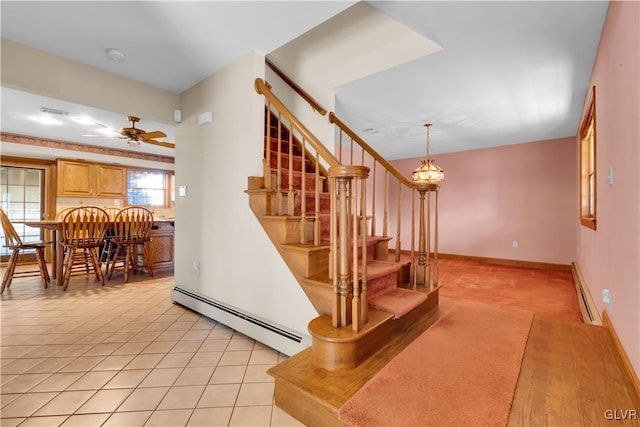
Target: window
{"x":21,"y":197}
{"x":149,"y":188}
{"x":588,"y":180}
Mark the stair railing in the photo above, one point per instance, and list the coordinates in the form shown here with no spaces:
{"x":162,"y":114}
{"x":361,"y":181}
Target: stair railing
{"x":303,"y":93}
{"x":347,"y":187}
{"x":424,"y":266}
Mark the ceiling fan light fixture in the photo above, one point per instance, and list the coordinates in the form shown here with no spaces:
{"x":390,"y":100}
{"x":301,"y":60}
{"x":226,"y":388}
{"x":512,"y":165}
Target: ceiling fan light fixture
{"x":116,"y":55}
{"x":133,"y":144}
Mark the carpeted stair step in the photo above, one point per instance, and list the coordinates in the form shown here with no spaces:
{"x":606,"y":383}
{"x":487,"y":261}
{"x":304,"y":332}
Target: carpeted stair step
{"x":325,"y":202}
{"x":296,"y":159}
{"x":273,"y":130}
{"x":382,"y":276}
{"x":273,"y":144}
{"x":310,"y":179}
{"x":398,"y":301}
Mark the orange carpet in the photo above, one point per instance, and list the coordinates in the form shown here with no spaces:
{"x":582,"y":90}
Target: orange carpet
{"x":545,"y":292}
{"x":461,"y":372}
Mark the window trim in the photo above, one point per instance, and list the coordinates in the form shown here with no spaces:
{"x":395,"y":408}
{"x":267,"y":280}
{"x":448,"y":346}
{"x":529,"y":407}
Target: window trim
{"x":588,"y":164}
{"x":167,"y":184}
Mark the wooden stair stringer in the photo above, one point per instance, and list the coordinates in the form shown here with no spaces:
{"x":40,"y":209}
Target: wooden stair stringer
{"x":281,"y":231}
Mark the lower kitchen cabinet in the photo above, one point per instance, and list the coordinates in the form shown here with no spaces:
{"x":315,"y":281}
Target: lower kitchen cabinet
{"x":161,"y":246}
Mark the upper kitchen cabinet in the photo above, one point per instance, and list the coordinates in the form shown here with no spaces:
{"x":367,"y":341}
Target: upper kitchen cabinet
{"x":85,"y":179}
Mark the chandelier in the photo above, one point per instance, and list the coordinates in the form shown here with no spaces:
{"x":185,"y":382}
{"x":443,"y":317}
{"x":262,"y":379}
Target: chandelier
{"x":428,"y":172}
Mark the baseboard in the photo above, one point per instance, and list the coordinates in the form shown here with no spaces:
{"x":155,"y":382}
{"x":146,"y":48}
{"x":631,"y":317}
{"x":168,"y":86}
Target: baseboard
{"x":275,"y":336}
{"x":500,"y":261}
{"x":629,"y":372}
{"x":588,"y":307}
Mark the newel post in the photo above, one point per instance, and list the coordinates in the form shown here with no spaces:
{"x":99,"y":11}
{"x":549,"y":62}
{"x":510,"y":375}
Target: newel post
{"x":347,"y":293}
{"x":425,"y":275}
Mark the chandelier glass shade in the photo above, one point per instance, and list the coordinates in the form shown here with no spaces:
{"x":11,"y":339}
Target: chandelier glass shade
{"x":428,"y":172}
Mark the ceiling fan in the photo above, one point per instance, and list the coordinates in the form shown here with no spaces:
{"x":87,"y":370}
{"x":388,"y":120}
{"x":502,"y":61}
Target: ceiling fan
{"x":135,"y":136}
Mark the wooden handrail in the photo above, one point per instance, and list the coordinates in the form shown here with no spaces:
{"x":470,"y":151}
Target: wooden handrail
{"x":422,"y":272}
{"x":392,"y":169}
{"x":314,"y":104}
{"x":263,"y":89}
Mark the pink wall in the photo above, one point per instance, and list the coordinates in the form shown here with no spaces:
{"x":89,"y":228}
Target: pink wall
{"x":609,"y":257}
{"x":524,"y":192}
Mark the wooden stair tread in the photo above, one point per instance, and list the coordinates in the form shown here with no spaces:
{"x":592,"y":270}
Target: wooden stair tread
{"x":321,"y":326}
{"x":309,"y":247}
{"x":376,"y":268}
{"x":300,"y":384}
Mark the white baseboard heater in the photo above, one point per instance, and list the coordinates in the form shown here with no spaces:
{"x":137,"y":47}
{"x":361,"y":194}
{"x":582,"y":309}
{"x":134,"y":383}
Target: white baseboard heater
{"x":275,"y":336}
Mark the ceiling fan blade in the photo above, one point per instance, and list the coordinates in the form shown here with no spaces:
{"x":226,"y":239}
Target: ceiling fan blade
{"x":160,"y":143}
{"x":152,"y":135}
{"x":106,"y":127}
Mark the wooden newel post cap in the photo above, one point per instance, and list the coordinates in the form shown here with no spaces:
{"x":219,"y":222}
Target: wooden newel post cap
{"x":349,"y":171}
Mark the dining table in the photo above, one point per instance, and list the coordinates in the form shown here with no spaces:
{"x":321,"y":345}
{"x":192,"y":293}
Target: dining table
{"x":57,"y":249}
{"x":57,"y":252}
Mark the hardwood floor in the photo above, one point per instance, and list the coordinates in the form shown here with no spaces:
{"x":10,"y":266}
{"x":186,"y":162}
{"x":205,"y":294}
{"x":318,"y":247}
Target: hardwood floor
{"x":569,"y":377}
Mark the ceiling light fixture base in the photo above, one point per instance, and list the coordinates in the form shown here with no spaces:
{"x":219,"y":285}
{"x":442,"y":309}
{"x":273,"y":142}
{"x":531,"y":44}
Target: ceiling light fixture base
{"x":116,"y":55}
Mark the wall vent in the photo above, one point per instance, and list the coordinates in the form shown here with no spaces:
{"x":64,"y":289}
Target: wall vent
{"x":54,"y":111}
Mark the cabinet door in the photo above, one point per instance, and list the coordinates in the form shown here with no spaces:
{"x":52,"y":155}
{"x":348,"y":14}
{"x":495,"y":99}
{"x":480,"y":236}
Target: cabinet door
{"x":75,"y":179}
{"x":161,"y":248}
{"x":111,"y":182}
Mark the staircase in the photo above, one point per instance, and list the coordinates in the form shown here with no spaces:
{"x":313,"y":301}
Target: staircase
{"x":292,"y":201}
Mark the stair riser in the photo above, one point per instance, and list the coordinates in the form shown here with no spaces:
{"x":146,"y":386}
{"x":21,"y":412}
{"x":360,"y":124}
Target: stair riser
{"x":382,"y":284}
{"x":310,"y":181}
{"x":314,"y":262}
{"x":273,"y":147}
{"x":284,"y":162}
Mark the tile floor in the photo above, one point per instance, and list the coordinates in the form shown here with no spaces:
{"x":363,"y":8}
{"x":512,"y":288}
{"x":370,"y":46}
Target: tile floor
{"x":125,"y":355}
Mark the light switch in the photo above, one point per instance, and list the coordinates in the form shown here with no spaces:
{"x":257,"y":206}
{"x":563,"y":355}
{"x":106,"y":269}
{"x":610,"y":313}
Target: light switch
{"x":182,"y":190}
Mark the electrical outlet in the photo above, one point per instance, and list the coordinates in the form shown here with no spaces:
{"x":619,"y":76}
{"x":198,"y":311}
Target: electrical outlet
{"x":196,"y":265}
{"x":606,"y":298}
{"x":514,"y":244}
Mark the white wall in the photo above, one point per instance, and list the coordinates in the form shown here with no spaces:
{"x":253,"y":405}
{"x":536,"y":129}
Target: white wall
{"x":214,"y":223}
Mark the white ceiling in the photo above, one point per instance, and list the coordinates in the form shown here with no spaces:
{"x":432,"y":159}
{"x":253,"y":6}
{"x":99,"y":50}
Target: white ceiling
{"x":508,"y":72}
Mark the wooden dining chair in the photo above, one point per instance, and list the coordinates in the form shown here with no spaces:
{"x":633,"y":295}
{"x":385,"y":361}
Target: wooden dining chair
{"x":131,"y":228}
{"x":15,"y":244}
{"x":108,"y":247}
{"x":83,"y":230}
{"x":81,"y":256}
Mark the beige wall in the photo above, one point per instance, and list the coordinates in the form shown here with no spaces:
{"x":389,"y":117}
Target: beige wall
{"x":38,"y":72}
{"x":239,"y":265}
{"x":609,"y":256}
{"x":35,"y":71}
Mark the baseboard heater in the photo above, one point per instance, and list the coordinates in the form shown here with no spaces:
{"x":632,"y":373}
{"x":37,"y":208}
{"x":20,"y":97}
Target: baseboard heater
{"x":585,"y":301}
{"x":275,"y":336}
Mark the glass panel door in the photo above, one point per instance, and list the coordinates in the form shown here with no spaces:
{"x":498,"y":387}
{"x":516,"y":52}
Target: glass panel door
{"x":22,"y":198}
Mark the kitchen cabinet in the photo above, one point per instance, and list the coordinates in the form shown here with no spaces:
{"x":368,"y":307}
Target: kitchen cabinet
{"x":85,"y":179}
{"x":161,"y":245}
